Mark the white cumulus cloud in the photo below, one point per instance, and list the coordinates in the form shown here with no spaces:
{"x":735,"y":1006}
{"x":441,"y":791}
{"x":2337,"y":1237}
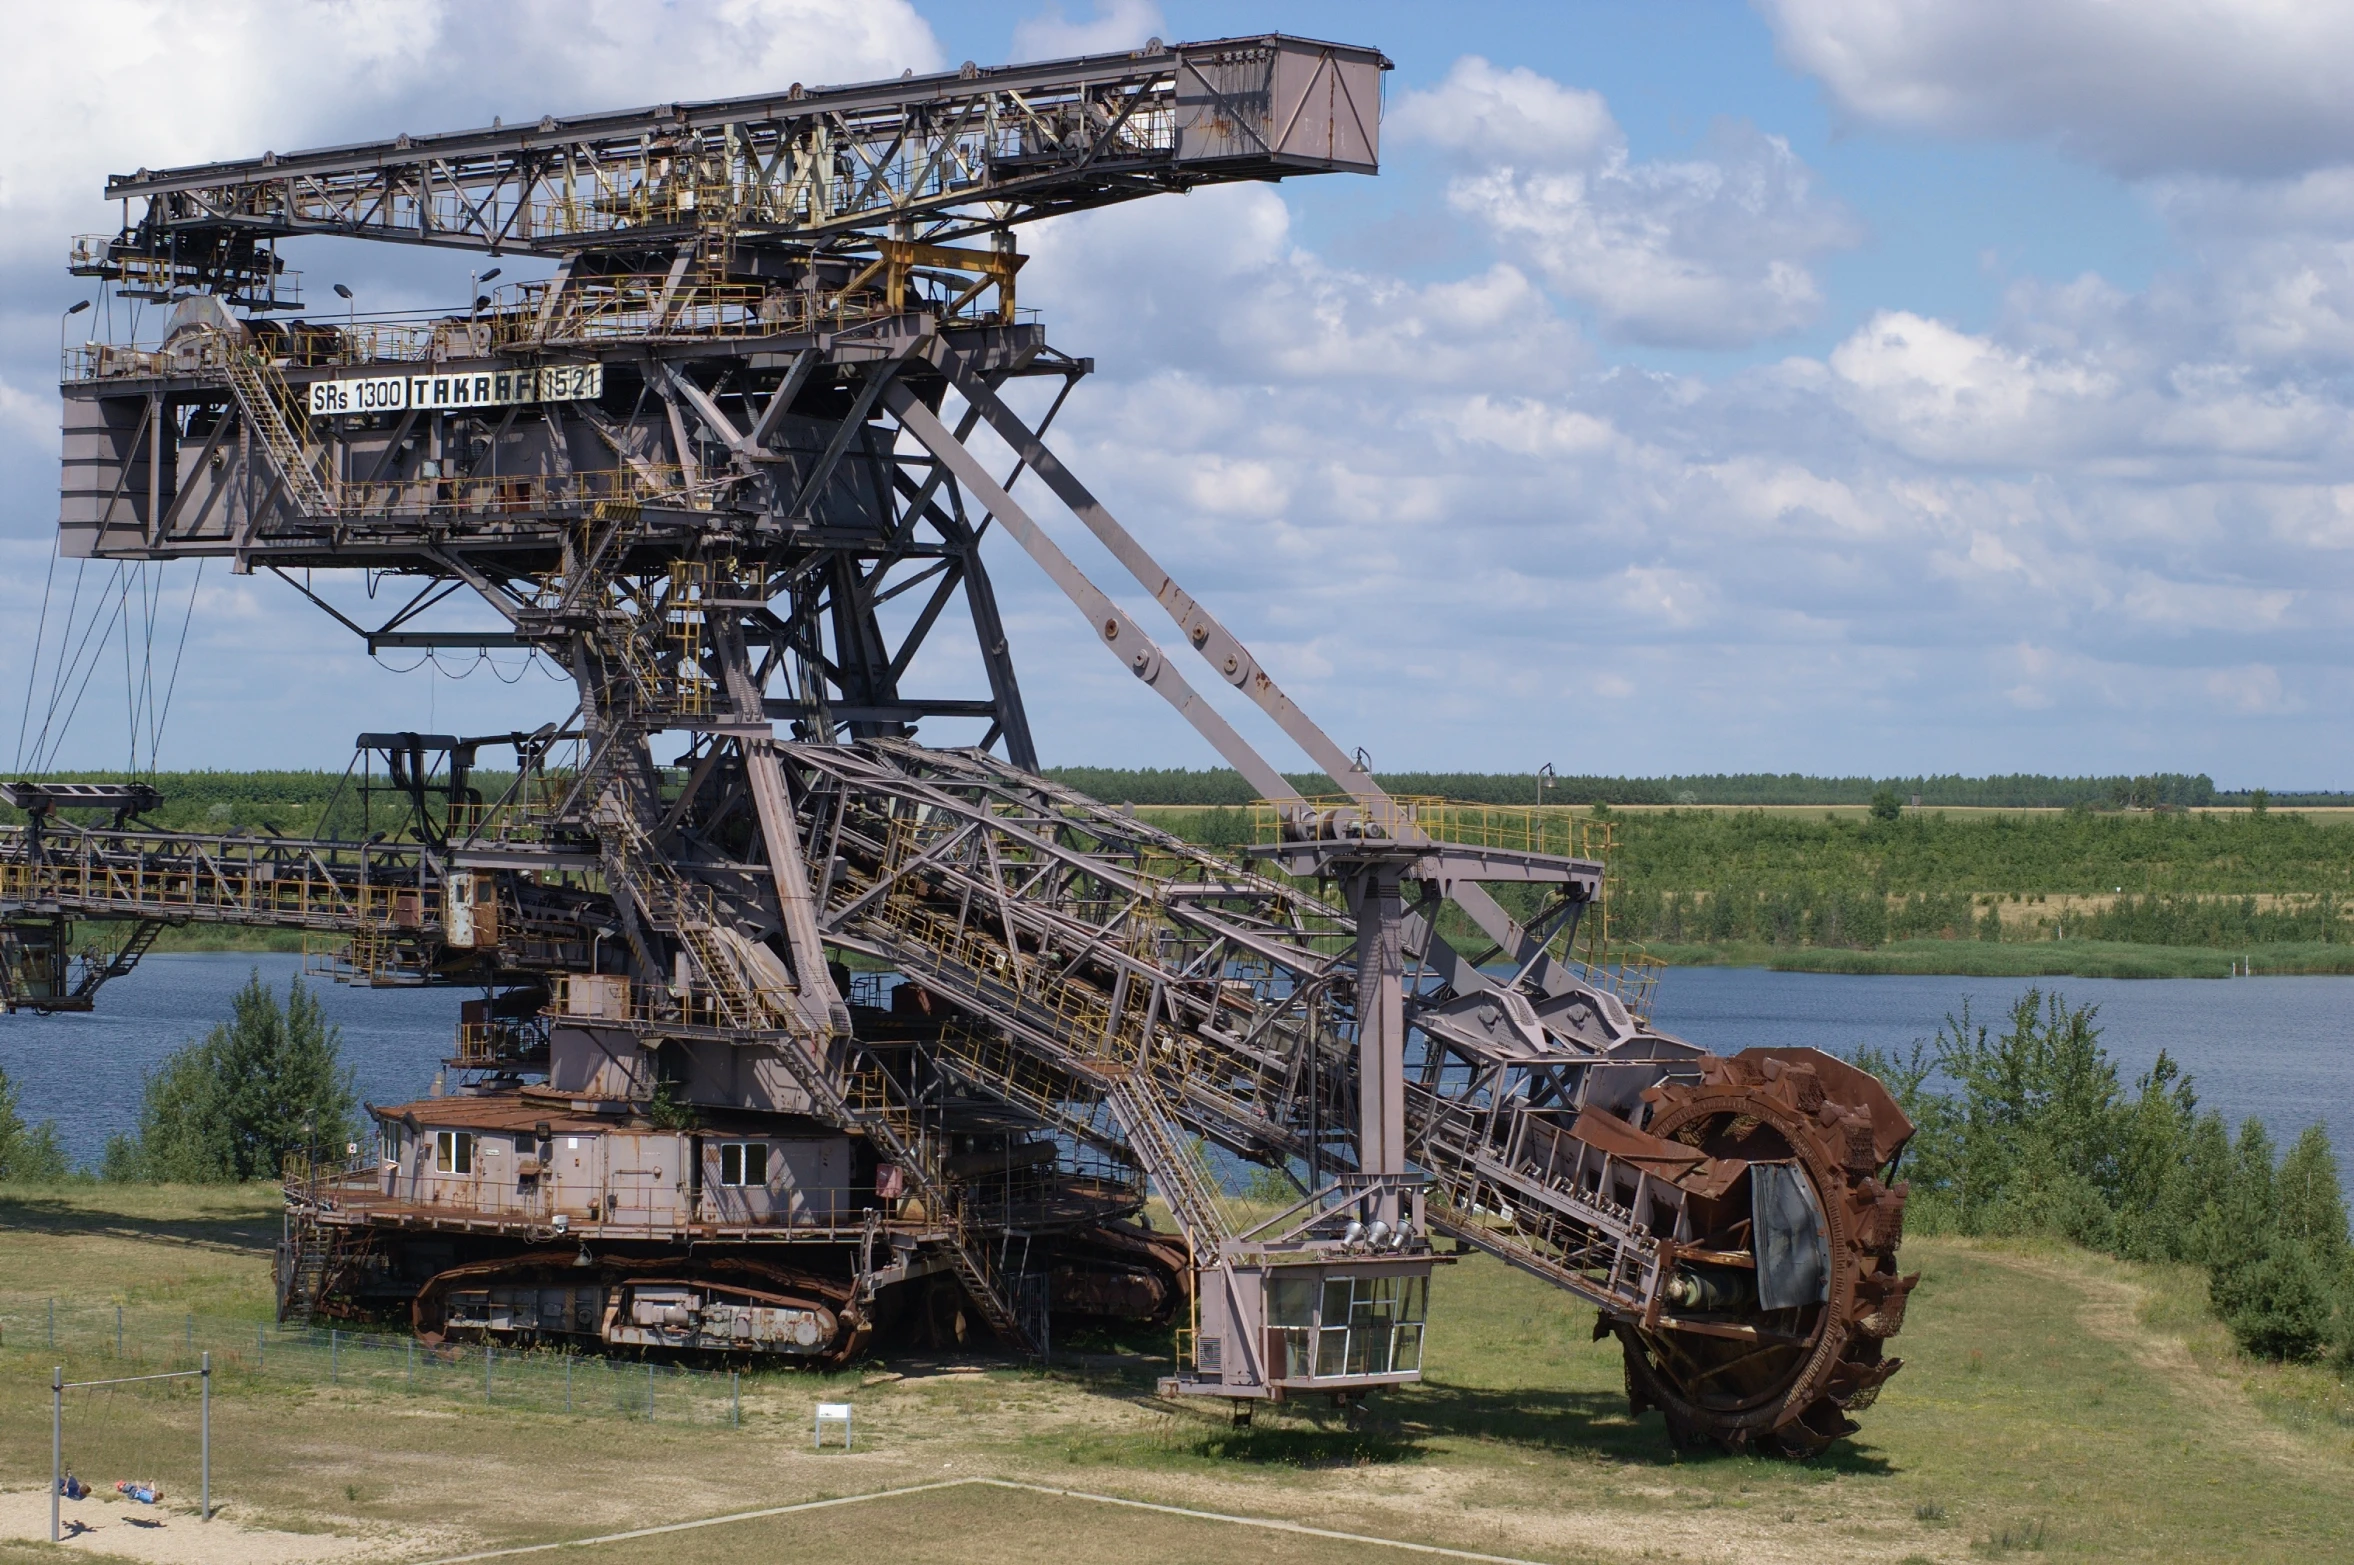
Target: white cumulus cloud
{"x":1946,"y":394}
{"x":1116,"y":24}
{"x":127,"y":84}
{"x":2243,"y":87}
{"x":1711,"y":251}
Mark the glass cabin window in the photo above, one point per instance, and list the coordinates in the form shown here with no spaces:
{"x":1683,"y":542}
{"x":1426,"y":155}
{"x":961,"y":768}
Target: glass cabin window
{"x":453,"y":1151}
{"x":743,"y":1163}
{"x":1371,"y":1325}
{"x":1291,"y":1326}
{"x":1291,"y":1301}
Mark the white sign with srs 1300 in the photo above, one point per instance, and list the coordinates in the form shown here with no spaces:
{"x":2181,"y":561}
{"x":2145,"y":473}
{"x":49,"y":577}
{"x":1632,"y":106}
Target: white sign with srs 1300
{"x":442,"y":393}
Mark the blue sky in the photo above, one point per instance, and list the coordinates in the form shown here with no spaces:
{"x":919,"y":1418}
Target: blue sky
{"x":1821,"y":385}
{"x":1947,"y":223}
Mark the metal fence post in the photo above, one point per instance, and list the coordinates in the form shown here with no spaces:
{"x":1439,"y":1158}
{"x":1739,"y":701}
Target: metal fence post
{"x":490,"y":1357}
{"x":735,"y":1402}
{"x":118,"y":1331}
{"x":53,"y":1323}
{"x":334,"y":1354}
{"x":56,"y":1442}
{"x":261,"y":1346}
{"x":412,"y":1363}
{"x":192,"y":1331}
{"x":205,"y":1438}
{"x":567,"y":1380}
{"x":649,"y":1391}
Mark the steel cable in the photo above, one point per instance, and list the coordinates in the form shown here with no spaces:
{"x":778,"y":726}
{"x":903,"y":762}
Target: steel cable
{"x":172,"y":684}
{"x":95,"y":635}
{"x":40,"y":639}
{"x":103,"y":633}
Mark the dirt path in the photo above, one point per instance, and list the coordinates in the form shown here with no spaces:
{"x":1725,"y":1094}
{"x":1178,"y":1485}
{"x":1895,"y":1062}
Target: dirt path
{"x":2112,"y":1311}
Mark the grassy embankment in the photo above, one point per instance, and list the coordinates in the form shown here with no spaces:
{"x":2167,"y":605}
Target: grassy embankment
{"x":2052,"y":1402}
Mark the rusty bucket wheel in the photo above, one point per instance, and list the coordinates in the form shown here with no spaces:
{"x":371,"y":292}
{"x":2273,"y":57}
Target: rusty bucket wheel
{"x":1787,"y":1383}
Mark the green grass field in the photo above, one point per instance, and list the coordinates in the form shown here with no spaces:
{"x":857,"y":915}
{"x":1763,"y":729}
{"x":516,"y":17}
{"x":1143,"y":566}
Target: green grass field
{"x":2053,"y":1403}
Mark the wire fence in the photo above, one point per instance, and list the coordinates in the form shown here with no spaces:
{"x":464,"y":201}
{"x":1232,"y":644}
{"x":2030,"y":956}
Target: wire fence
{"x":92,"y":1340}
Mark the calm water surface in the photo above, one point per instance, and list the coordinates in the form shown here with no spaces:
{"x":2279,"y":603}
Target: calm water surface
{"x":83,"y":1071}
{"x":2281,"y":1049}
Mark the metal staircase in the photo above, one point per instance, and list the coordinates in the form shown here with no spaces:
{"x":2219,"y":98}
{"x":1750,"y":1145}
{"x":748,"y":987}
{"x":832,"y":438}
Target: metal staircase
{"x":722,"y":991}
{"x":881,"y":1107}
{"x":125,"y":957}
{"x":1171,"y":1162}
{"x":269,"y":409}
{"x":738,"y":1000}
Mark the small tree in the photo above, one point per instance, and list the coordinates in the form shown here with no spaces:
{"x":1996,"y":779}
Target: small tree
{"x":2312,"y":1207}
{"x":2154,"y":1146}
{"x":2039,"y":1110}
{"x":2279,"y":1305}
{"x":2197,"y":1187}
{"x":267,"y":1082}
{"x":1887,"y":804}
{"x":29,"y":1154}
{"x":2234,"y":1233}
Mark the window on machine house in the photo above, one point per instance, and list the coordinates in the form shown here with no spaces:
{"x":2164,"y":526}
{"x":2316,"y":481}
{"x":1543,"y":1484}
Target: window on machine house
{"x":453,"y":1151}
{"x":743,"y":1162}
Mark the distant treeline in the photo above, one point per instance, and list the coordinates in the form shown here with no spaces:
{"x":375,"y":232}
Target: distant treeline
{"x":2023,"y":790}
{"x":282,"y":798}
{"x":1745,"y":854}
{"x":2073,"y":854}
{"x":1739,"y":877}
{"x":2215,"y":881}
{"x":295,"y":804}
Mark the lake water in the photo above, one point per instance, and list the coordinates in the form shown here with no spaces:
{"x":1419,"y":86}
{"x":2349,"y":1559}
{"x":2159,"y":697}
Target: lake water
{"x":83,"y":1070}
{"x":2281,"y":1049}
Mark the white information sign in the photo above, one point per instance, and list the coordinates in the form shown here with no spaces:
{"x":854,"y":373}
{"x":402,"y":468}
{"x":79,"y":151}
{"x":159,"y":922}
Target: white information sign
{"x":443,"y":393}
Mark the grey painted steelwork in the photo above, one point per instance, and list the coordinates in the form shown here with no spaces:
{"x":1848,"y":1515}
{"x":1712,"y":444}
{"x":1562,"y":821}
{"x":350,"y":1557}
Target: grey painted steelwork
{"x":717,"y":470}
{"x":935,"y":158}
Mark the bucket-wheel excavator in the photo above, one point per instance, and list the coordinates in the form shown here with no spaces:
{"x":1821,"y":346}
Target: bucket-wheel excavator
{"x":792,"y":1030}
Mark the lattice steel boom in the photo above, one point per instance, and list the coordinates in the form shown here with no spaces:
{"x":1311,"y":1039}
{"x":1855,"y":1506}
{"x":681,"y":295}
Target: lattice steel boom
{"x":716,"y":468}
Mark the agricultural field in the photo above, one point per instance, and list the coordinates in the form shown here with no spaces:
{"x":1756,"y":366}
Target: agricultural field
{"x":1969,"y":883}
{"x":1996,"y":892}
{"x":2055,"y":1405}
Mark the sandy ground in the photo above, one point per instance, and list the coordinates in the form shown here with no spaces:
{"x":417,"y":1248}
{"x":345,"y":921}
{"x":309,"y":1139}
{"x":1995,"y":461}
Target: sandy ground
{"x":170,"y":1535}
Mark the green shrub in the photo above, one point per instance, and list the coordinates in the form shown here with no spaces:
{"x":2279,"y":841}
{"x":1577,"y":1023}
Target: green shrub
{"x":269,"y":1081}
{"x":2041,"y":1138}
{"x":29,"y":1154}
{"x":2280,"y":1303}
